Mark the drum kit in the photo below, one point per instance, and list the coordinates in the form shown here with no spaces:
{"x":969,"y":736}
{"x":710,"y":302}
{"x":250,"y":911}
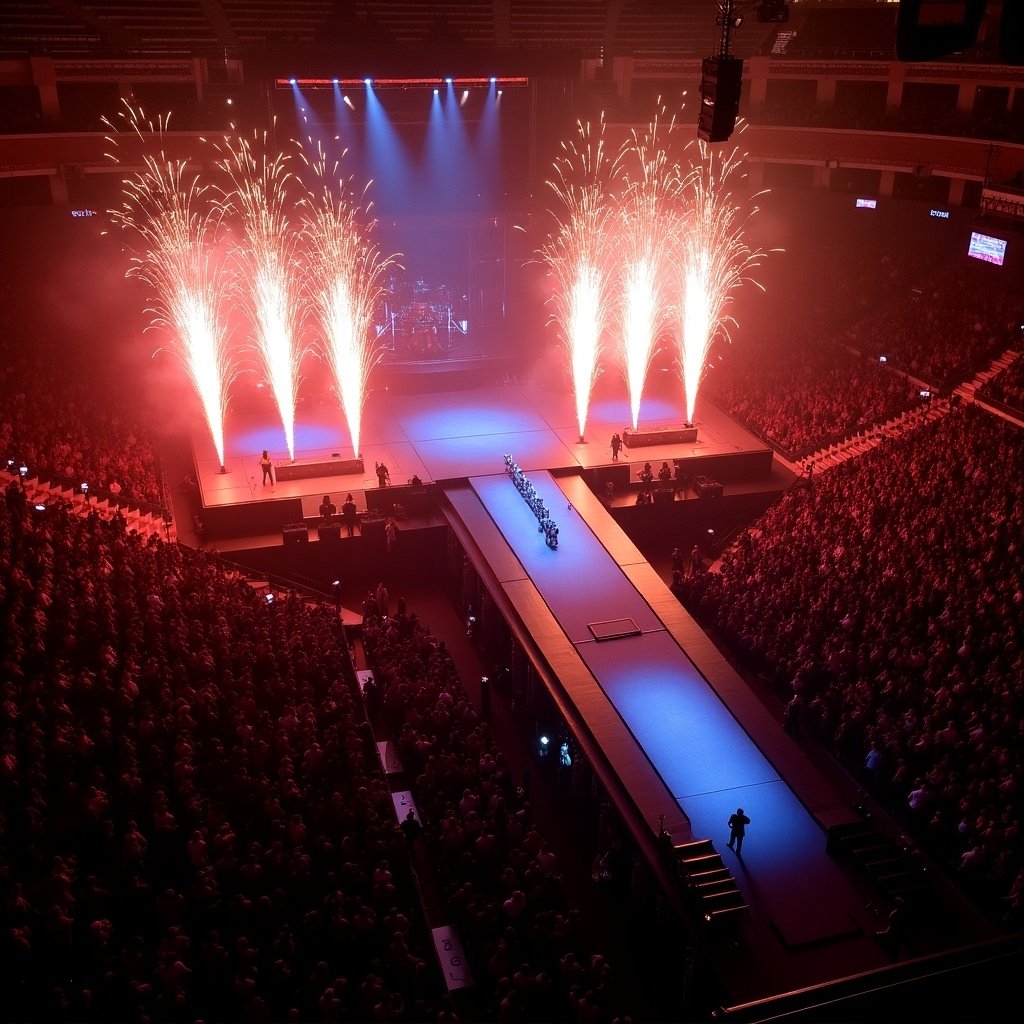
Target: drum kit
{"x":426,"y":312}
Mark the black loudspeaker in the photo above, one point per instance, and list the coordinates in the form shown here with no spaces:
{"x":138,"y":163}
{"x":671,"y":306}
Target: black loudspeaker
{"x":926,"y":29}
{"x":1011,"y":34}
{"x":295,"y":533}
{"x":330,"y":532}
{"x":720,"y":83}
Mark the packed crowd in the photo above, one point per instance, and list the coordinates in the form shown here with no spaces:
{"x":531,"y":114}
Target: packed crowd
{"x":886,"y":604}
{"x":195,"y":821}
{"x":195,"y":825}
{"x":801,"y":393}
{"x":499,"y":878}
{"x":72,"y":437}
{"x":61,"y":414}
{"x":935,"y":334}
{"x":1008,"y":386}
{"x":790,"y":376}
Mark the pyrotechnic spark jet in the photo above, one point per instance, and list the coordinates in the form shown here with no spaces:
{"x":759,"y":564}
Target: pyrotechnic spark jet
{"x":712,"y":261}
{"x":266,"y":256}
{"x":577,"y":258}
{"x":345,"y":278}
{"x":173,"y":215}
{"x":645,"y":223}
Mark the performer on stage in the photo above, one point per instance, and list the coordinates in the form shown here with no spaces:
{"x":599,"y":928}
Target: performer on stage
{"x":267,"y":466}
{"x":348,"y":513}
{"x":327,"y":508}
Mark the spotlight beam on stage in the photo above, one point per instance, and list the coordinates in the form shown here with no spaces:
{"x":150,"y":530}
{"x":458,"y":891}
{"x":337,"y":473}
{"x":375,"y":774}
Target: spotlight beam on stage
{"x":387,"y":161}
{"x":488,"y":145}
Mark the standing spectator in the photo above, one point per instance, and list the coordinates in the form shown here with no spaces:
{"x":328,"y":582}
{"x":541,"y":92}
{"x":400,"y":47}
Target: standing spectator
{"x":696,"y":562}
{"x":678,"y":560}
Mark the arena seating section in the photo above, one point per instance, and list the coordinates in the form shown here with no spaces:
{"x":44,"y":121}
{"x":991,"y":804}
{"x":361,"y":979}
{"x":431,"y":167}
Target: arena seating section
{"x":209,"y":27}
{"x":196,"y":822}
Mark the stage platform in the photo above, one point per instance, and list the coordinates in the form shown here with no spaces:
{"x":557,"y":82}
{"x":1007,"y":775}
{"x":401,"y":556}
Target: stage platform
{"x":447,"y":435}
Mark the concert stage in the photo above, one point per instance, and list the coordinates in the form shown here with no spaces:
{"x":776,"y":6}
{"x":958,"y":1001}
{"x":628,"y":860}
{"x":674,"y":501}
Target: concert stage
{"x":442,"y":436}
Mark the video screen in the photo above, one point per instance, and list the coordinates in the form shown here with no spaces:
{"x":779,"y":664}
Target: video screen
{"x":987,"y":248}
{"x":866,"y":204}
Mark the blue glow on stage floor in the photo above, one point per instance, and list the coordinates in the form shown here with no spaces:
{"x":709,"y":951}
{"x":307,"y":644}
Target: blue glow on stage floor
{"x":467,"y":414}
{"x":687,"y":732}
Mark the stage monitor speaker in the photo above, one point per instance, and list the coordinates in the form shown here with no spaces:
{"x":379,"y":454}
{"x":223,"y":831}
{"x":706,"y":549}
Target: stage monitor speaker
{"x":295,"y":533}
{"x":720,"y":83}
{"x":927,"y":29}
{"x":330,"y":532}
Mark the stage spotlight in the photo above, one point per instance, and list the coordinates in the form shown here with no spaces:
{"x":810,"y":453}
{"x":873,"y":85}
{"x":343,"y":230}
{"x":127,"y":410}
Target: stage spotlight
{"x":465,"y":96}
{"x":436,"y":91}
{"x":448,"y":81}
{"x":335,"y":81}
{"x":367,"y":82}
{"x":493,"y":80}
{"x":291,"y":81}
{"x":230,"y":101}
{"x":349,"y":103}
{"x":883,"y":359}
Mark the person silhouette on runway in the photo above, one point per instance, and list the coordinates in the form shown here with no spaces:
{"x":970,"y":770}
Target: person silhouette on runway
{"x":737,"y":830}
